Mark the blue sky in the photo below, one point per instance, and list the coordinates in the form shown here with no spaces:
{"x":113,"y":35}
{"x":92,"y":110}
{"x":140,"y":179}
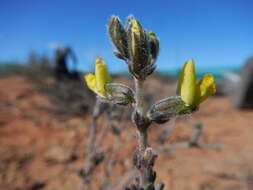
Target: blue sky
{"x":216,"y":33}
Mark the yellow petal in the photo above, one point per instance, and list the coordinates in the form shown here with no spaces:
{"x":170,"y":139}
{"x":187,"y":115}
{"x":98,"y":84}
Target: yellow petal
{"x":205,"y":87}
{"x":180,"y":79}
{"x":187,"y":83}
{"x":102,"y":77}
{"x":137,"y":34}
{"x":91,"y":82}
{"x":136,"y":27}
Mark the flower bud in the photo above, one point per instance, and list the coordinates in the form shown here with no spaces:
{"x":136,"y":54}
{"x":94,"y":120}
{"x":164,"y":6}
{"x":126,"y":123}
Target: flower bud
{"x":140,"y":121}
{"x":139,"y":50}
{"x":118,"y":36}
{"x":154,"y":45}
{"x":150,"y":187}
{"x":151,"y":178}
{"x":148,"y":154}
{"x":163,"y":110}
{"x":118,"y":55}
{"x":119,"y":93}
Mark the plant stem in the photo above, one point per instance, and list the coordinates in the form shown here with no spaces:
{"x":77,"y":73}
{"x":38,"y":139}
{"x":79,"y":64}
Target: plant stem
{"x":91,"y":150}
{"x":142,"y":140}
{"x":140,"y":107}
{"x":92,"y":129}
{"x":142,"y":132}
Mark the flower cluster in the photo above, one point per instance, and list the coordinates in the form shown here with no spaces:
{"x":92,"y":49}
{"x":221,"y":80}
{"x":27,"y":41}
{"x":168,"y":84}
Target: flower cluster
{"x":190,"y":92}
{"x":138,"y":47}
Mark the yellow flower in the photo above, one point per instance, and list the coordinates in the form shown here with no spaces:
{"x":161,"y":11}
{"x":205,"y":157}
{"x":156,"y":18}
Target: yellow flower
{"x":191,"y":92}
{"x":97,"y":82}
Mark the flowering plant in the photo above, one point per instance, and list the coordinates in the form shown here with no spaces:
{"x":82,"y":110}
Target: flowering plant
{"x":139,"y":48}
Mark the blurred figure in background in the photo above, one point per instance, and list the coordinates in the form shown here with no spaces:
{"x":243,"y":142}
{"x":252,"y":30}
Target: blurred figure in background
{"x":239,"y":87}
{"x":61,"y":64}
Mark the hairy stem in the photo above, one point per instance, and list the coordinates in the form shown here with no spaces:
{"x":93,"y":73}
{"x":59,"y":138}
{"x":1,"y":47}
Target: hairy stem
{"x":92,"y":129}
{"x":140,"y":108}
{"x":142,"y":127}
{"x":142,"y":140}
{"x":140,"y":104}
{"x":91,"y":150}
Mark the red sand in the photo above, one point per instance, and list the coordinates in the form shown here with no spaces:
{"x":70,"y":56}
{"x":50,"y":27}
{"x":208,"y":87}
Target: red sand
{"x":39,"y":151}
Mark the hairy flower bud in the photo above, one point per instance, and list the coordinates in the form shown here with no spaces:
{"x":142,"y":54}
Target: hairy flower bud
{"x":140,"y":58}
{"x":148,"y":154}
{"x":140,"y":121}
{"x":154,"y":45}
{"x":118,"y":36}
{"x":118,"y":55}
{"x":119,"y":93}
{"x":150,"y":187}
{"x":151,"y":178}
{"x":163,"y":110}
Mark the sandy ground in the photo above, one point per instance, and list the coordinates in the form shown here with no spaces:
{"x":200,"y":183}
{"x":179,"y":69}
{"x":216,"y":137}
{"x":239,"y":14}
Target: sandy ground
{"x":41,"y":151}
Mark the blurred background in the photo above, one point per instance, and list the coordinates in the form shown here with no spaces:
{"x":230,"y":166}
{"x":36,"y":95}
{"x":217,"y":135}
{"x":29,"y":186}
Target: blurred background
{"x":45,"y":116}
